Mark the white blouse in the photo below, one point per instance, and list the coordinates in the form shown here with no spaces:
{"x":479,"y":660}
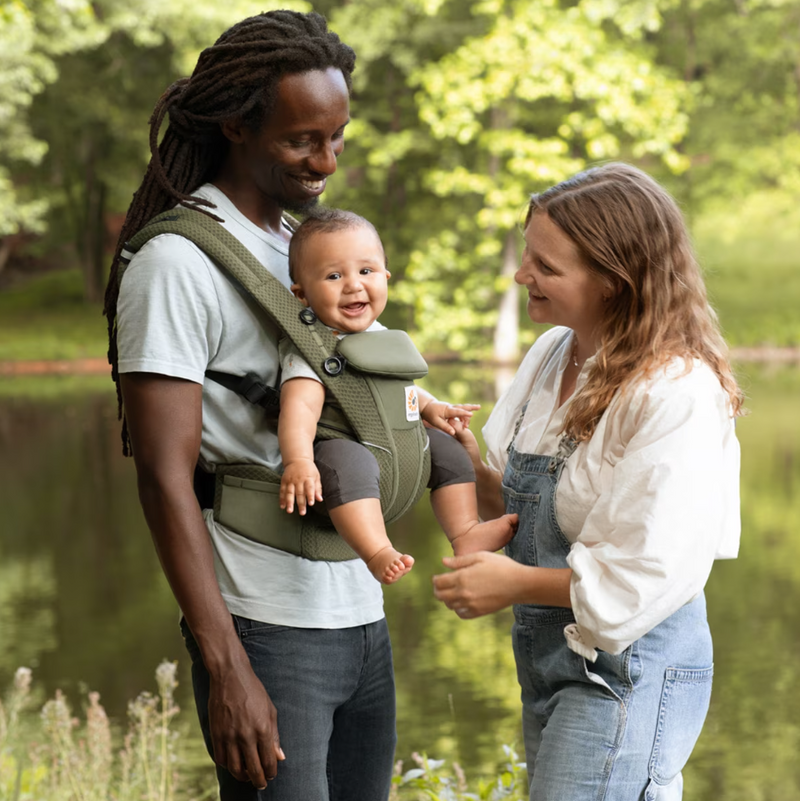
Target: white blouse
{"x":648,"y":503}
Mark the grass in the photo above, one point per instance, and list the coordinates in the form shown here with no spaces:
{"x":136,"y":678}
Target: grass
{"x":753,"y":282}
{"x":47,"y":318}
{"x":55,"y":755}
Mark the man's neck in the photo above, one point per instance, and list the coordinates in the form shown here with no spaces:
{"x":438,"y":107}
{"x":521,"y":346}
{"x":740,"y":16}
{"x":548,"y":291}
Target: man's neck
{"x":257,"y":207}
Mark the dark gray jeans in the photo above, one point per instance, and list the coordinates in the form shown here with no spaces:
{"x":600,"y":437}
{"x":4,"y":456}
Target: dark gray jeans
{"x":334,"y":692}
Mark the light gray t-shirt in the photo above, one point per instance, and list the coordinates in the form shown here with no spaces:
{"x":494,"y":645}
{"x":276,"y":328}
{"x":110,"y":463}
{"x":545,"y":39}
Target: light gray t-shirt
{"x":178,"y":315}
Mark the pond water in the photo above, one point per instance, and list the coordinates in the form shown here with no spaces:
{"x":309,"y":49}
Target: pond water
{"x":83,"y":601}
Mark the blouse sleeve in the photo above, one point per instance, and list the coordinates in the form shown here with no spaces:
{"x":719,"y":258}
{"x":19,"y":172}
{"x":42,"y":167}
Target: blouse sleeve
{"x":649,"y":541}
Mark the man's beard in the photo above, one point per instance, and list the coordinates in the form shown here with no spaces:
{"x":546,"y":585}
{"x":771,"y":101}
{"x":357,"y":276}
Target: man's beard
{"x":299,"y":206}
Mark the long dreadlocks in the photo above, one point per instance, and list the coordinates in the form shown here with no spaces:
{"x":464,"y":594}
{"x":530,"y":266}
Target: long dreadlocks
{"x":237,"y":78}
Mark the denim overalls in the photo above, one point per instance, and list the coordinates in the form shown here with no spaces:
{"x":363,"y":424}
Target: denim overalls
{"x":618,"y":729}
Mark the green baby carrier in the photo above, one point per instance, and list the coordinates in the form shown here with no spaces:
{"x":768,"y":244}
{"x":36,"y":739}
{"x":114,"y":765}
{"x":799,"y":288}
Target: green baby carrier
{"x":371,"y":400}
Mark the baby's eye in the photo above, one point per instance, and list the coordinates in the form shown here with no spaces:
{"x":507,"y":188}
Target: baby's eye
{"x":365,"y":270}
{"x":333,"y":277}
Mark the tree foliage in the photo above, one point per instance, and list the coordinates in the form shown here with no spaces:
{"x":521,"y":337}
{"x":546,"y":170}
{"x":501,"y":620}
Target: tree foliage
{"x":461,"y":109}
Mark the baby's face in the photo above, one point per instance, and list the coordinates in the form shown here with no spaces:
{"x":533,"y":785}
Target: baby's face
{"x":342,"y":276}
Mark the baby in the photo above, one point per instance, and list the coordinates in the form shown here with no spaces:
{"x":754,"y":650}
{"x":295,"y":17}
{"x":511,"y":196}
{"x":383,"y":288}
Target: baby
{"x":338,"y":269}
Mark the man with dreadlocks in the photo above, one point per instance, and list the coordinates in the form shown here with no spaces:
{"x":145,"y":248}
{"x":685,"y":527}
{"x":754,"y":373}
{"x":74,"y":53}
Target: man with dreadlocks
{"x":292,"y":667}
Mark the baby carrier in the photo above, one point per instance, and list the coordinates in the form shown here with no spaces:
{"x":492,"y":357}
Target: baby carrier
{"x":368,"y":377}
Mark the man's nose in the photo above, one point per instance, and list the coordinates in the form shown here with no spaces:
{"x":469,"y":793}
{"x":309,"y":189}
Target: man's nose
{"x":323,"y":161}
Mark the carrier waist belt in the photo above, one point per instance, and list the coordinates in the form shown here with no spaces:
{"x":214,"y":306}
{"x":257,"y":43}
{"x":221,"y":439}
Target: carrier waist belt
{"x":246,"y":501}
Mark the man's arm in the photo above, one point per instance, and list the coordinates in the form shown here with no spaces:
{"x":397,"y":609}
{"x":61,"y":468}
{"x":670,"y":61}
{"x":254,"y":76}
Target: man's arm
{"x":164,"y":419}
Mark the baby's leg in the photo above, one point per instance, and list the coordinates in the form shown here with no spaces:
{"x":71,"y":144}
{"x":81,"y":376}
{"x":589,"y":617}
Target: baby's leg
{"x":455,"y":502}
{"x":360,"y":524}
{"x":350,"y":475}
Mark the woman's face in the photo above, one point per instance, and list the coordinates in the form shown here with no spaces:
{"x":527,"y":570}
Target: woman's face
{"x":561,"y":288}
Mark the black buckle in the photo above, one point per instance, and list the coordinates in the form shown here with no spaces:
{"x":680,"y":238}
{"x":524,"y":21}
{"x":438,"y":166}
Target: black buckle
{"x":308,"y":316}
{"x":254,"y":390}
{"x":334,"y":365}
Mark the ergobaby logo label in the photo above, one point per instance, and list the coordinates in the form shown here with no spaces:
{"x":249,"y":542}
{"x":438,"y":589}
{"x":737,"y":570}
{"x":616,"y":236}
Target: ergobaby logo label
{"x":412,"y":403}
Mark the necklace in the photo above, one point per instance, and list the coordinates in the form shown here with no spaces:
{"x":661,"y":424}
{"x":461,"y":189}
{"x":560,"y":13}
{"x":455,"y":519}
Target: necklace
{"x":574,"y":353}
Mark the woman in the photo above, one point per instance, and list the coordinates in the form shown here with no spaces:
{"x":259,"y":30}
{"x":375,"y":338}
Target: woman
{"x":615,"y":445}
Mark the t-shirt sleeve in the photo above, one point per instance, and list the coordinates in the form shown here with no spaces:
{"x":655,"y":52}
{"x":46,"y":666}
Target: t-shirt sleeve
{"x":293,"y":365}
{"x":649,"y":542}
{"x":168,"y":312}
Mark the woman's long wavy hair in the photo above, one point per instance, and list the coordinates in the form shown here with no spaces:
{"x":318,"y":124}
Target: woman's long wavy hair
{"x":632,"y":235}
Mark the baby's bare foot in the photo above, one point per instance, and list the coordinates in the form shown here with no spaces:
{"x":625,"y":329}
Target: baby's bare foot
{"x":489,"y":536}
{"x":388,"y":565}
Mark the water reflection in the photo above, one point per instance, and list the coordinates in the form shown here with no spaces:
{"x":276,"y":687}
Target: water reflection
{"x":82,"y":599}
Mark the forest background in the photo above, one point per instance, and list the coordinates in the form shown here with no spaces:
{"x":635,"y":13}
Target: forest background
{"x":460,"y":109}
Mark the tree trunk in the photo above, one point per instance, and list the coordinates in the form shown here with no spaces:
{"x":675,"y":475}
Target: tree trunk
{"x":506,"y":333}
{"x":94,"y":233}
{"x":6,"y":249}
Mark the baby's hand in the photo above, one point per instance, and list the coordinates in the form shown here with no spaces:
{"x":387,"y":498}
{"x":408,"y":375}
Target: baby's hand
{"x":300,"y":484}
{"x":439,"y":414}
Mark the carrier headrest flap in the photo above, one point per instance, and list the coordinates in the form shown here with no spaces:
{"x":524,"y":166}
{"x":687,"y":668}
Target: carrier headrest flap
{"x":384,"y":353}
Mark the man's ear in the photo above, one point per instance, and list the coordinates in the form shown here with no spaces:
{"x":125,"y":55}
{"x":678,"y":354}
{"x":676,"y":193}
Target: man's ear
{"x":299,"y":293}
{"x":233,"y":130}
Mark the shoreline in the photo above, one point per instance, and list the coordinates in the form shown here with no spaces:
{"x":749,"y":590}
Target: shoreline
{"x":766,"y":354}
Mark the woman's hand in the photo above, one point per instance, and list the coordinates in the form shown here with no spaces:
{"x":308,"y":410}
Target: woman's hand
{"x":480,"y":583}
{"x":485,"y":582}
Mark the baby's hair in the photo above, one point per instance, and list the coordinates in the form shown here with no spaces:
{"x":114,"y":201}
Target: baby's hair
{"x":323,"y":221}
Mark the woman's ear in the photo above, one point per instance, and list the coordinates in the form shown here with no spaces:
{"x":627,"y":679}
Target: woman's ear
{"x":613,"y":287}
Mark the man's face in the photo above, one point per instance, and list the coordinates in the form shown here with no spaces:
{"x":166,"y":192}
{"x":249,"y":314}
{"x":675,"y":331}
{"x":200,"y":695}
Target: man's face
{"x":294,"y":152}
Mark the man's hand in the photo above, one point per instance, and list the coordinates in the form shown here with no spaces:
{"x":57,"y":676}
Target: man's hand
{"x":244,"y":727}
{"x":301,"y":485}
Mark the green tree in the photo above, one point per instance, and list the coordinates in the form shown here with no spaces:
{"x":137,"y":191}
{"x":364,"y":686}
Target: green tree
{"x":75,"y":143}
{"x":32,"y":35}
{"x":548,"y":88}
{"x":744,"y":133}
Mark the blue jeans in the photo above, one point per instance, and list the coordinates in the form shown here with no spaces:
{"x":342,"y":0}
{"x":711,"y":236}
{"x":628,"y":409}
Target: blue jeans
{"x":334,"y":693}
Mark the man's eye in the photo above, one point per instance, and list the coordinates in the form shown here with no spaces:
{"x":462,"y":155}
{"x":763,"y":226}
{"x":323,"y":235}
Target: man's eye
{"x":298,"y":142}
{"x":544,"y":268}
